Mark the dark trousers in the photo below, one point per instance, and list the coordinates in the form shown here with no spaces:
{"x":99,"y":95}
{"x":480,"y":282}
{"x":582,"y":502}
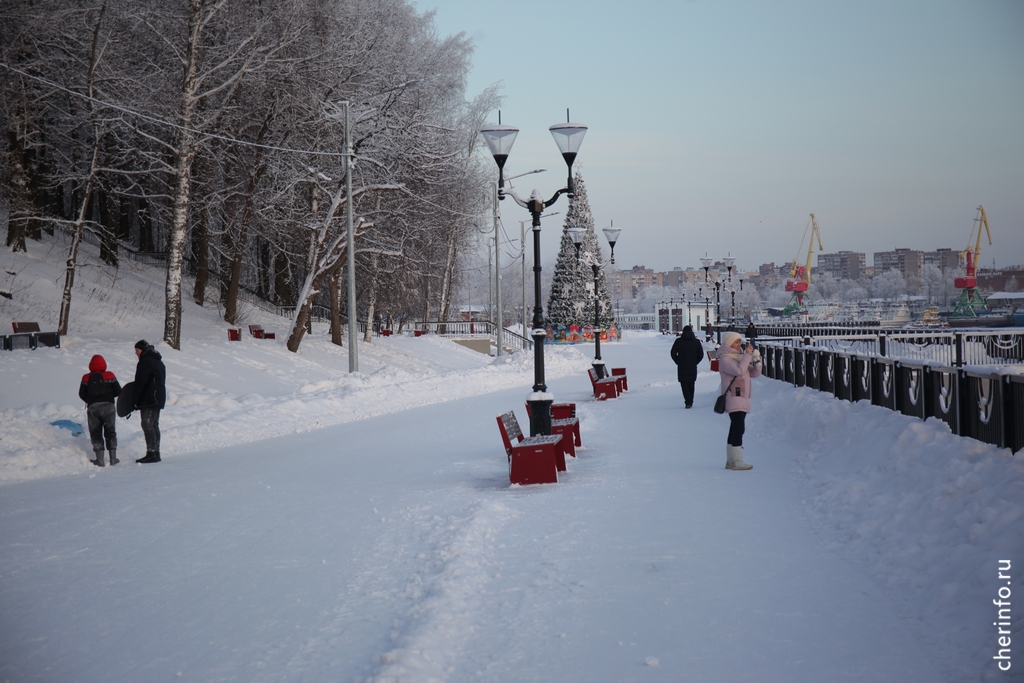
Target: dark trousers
{"x":151,"y":428}
{"x":688,"y":388}
{"x":101,"y":424}
{"x":736,"y":428}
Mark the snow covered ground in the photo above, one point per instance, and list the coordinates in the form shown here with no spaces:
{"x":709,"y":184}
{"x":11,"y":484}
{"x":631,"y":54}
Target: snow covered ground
{"x":311,"y":525}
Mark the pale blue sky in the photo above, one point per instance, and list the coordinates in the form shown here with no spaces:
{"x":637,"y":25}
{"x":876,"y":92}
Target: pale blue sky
{"x":720,"y":126}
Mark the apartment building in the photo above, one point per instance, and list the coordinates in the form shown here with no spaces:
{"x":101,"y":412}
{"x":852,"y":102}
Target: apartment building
{"x":908,"y":261}
{"x":946,"y":260}
{"x":625,"y":284}
{"x":844,"y":265}
{"x":677,"y":277}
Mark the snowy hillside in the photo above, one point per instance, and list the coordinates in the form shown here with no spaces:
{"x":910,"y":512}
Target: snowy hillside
{"x":220,"y":393}
{"x":311,"y":525}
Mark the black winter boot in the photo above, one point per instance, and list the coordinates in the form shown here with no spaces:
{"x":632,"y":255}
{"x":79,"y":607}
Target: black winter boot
{"x":99,"y":459}
{"x":150,"y":457}
{"x":113,"y":458}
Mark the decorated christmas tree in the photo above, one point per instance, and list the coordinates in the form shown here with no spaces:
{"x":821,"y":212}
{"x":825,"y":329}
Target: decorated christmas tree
{"x":572,"y":285}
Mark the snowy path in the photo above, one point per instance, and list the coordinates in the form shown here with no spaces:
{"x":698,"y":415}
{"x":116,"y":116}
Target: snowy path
{"x":392,"y":548}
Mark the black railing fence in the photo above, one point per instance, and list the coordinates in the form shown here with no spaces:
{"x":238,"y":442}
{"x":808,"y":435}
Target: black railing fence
{"x":959,"y":349}
{"x":985,"y":403}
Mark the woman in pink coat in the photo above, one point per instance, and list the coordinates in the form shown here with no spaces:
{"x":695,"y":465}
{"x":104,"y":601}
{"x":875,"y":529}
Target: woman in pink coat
{"x":737,"y":363}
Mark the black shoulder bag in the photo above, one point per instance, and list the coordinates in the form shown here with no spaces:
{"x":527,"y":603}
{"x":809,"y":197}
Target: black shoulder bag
{"x":720,"y":403}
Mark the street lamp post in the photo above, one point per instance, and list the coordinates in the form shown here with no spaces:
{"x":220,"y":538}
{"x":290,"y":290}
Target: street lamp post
{"x":612,"y":235}
{"x":522,"y":255}
{"x":499,"y":332}
{"x":568,"y":137}
{"x":350,"y":247}
{"x":718,"y":306}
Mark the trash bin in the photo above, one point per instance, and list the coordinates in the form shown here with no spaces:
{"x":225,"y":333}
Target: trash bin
{"x":911,"y":394}
{"x":943,"y":388}
{"x":826,"y":371}
{"x":883,"y":383}
{"x":860,"y":371}
{"x":842,"y":377}
{"x":981,"y":407}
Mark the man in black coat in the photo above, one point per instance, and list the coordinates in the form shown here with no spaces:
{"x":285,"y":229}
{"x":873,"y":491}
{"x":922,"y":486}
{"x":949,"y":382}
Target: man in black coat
{"x":687,"y":352}
{"x":149,"y":396}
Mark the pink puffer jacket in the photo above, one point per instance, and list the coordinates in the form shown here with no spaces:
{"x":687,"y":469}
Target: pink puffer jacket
{"x":742,"y":368}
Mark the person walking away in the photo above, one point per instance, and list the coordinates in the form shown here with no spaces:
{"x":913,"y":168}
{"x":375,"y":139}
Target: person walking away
{"x":99,"y":390}
{"x":738,"y":362}
{"x":687,"y":353}
{"x":149,"y":395}
{"x":751,"y":332}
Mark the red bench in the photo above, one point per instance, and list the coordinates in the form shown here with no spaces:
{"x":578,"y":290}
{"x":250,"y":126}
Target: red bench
{"x":29,"y":336}
{"x":620,"y":375}
{"x":564,"y":422}
{"x":603,"y":388}
{"x":531,"y":460}
{"x":258,"y":332}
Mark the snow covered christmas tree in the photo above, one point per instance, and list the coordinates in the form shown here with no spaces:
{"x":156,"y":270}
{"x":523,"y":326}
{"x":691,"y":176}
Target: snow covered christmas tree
{"x":572,"y":284}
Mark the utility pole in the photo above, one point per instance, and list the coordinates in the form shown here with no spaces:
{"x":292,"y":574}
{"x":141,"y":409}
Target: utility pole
{"x":499,"y":318}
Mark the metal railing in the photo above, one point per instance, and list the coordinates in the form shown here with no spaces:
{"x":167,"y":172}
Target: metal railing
{"x":974,"y":400}
{"x":957,"y":349}
{"x":473,"y":328}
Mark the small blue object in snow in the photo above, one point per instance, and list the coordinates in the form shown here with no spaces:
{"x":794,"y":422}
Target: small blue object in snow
{"x":72,"y":427}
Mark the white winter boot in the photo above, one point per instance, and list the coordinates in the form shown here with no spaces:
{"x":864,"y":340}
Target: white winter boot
{"x":734,"y":459}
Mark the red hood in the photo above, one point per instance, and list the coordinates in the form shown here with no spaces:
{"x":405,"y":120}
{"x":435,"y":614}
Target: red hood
{"x":97,"y":364}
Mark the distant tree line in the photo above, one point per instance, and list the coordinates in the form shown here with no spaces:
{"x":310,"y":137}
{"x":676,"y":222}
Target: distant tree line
{"x":212,"y":131}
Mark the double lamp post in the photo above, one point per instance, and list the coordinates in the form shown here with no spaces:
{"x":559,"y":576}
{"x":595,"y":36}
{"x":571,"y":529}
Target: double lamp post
{"x":612,"y":235}
{"x":568,"y":137}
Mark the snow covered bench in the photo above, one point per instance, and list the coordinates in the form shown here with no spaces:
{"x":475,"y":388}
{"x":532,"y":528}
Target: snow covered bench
{"x":258,"y":332}
{"x":603,"y":388}
{"x":564,"y":422}
{"x":620,"y":375}
{"x":28,"y":336}
{"x":531,"y":460}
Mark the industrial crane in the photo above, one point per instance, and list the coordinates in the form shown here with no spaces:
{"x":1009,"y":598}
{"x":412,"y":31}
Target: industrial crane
{"x":970,"y":302}
{"x":800,"y":275}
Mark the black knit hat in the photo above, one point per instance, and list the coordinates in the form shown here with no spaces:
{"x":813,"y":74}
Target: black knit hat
{"x":142,"y":344}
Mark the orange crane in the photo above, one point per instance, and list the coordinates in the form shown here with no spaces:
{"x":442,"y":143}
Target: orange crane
{"x":800,"y":275}
{"x":970,"y":302}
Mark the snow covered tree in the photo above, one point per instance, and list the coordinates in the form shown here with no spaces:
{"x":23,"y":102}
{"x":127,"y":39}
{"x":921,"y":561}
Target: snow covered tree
{"x":572,"y":286}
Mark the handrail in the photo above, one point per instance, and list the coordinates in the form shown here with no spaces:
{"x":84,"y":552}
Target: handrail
{"x":473,"y":328}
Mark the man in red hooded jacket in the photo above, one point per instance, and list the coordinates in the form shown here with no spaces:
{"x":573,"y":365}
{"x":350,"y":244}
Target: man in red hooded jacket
{"x":99,"y":390}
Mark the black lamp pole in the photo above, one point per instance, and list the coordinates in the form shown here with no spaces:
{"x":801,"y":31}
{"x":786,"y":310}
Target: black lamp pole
{"x":568,"y":137}
{"x":598,"y":363}
{"x":612,"y":235}
{"x":718,"y":308}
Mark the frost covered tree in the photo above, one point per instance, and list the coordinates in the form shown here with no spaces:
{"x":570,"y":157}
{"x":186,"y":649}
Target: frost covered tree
{"x":572,"y":285}
{"x":213,"y":138}
{"x":889,"y":285}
